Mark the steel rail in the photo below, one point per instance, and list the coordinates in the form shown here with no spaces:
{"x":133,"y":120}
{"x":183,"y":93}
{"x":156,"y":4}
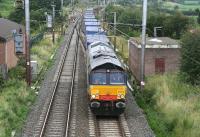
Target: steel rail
{"x":72,"y":85}
{"x":99,"y":130}
{"x":57,"y":80}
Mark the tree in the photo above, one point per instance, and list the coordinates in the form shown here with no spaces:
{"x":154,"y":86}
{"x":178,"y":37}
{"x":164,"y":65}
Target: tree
{"x":197,"y":11}
{"x":176,"y":7}
{"x":175,"y":25}
{"x":155,"y":20}
{"x":37,"y":12}
{"x":190,"y":57}
{"x":2,"y":81}
{"x":198,"y":18}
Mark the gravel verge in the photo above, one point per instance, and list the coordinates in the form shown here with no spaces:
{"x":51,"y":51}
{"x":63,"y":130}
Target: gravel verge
{"x":137,"y":123}
{"x":81,"y":113}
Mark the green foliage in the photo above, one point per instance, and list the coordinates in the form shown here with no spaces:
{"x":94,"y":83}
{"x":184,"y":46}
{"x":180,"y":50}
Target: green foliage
{"x":2,"y":81}
{"x":155,"y":20}
{"x":182,"y":6}
{"x":126,"y":15}
{"x":175,"y":25}
{"x":172,"y":25}
{"x":18,"y":72}
{"x":198,"y":18}
{"x":190,"y":57}
{"x":6,"y":7}
{"x":15,"y":100}
{"x":37,"y":12}
{"x":171,"y":106}
{"x":17,"y":15}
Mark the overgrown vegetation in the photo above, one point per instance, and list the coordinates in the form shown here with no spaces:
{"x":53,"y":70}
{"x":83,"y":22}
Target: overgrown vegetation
{"x":171,"y":106}
{"x":19,"y":71}
{"x":190,"y":57}
{"x":37,"y":13}
{"x":6,"y":7}
{"x":43,"y":53}
{"x":2,"y":81}
{"x":15,"y":100}
{"x":15,"y":97}
{"x":172,"y":25}
{"x":121,"y":46}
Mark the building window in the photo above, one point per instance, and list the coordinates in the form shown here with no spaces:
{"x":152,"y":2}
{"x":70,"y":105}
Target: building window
{"x":159,"y":65}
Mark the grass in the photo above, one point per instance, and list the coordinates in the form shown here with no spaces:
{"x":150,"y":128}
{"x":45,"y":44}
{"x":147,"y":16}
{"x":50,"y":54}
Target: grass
{"x":43,"y":51}
{"x":121,"y":46}
{"x":182,"y":7}
{"x":15,"y":97}
{"x":172,"y":107}
{"x":189,"y":2}
{"x":6,"y":7}
{"x":15,"y":100}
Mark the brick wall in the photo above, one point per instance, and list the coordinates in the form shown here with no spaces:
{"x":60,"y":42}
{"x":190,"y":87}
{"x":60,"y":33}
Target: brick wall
{"x":11,"y":58}
{"x":171,"y":56}
{"x":2,"y":52}
{"x":134,"y":59}
{"x":7,"y":53}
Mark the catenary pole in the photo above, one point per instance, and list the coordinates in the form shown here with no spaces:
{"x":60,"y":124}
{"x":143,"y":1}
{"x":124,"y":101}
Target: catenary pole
{"x":144,"y":22}
{"x":27,"y":42}
{"x":115,"y":23}
{"x":61,"y":5}
{"x":53,"y":22}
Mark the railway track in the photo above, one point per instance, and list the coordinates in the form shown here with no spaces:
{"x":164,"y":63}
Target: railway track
{"x":56,"y":120}
{"x":101,"y":126}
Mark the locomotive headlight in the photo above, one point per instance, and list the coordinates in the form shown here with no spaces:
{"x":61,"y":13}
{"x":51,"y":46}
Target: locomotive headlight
{"x":120,"y":96}
{"x":93,"y":96}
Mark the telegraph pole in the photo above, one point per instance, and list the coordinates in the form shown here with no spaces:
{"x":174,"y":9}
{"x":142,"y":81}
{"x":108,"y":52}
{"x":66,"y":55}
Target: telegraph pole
{"x":27,"y":43}
{"x":72,"y":3}
{"x":144,"y":22}
{"x":53,"y":20}
{"x":62,"y":17}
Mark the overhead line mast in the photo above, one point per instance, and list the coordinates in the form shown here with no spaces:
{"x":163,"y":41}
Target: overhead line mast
{"x":143,"y":45}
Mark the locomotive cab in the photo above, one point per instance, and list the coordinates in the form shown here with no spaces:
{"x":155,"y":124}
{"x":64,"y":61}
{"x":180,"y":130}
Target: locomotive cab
{"x":106,"y":80}
{"x":107,"y":87}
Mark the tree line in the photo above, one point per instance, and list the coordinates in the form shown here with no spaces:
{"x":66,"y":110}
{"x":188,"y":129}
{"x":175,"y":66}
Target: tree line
{"x":177,"y":26}
{"x":37,"y":12}
{"x":172,"y":25}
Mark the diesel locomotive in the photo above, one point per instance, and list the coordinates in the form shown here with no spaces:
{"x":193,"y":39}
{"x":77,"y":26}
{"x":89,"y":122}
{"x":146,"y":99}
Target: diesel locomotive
{"x":106,"y":76}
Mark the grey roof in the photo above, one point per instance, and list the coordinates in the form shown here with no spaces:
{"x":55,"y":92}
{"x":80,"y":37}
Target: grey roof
{"x":100,"y":55}
{"x":92,"y":23}
{"x":158,"y":42}
{"x":7,"y":27}
{"x":93,"y":38}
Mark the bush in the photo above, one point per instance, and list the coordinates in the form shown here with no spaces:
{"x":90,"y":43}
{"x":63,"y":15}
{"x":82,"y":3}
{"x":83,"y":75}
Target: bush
{"x":172,"y":106}
{"x":18,"y":72}
{"x":2,"y":81}
{"x":15,"y":101}
{"x":190,"y":57}
{"x":173,"y":25}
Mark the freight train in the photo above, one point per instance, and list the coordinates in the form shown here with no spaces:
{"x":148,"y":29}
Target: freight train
{"x":106,"y":75}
